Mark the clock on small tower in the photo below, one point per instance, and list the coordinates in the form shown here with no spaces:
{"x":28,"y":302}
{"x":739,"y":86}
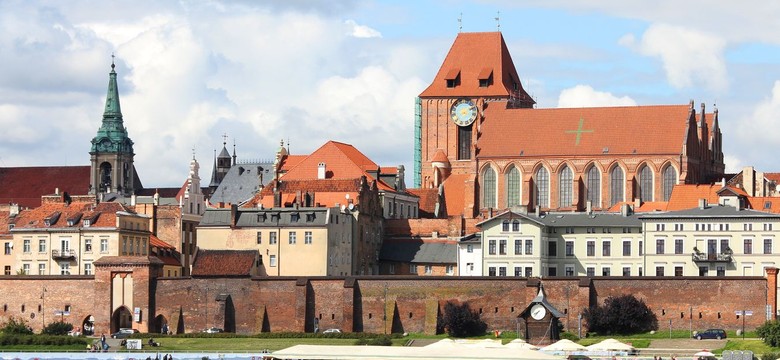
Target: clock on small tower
{"x":541,"y":320}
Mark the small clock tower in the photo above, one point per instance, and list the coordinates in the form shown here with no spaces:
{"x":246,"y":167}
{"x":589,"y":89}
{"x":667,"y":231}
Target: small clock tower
{"x":541,"y":320}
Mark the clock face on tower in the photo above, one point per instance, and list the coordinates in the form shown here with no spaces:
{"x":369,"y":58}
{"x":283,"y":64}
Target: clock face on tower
{"x":538,"y":312}
{"x":463,"y":112}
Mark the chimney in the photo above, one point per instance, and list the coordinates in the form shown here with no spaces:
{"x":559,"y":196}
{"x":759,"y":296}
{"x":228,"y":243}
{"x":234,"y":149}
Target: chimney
{"x":702,"y":204}
{"x":538,"y":211}
{"x":625,"y":210}
{"x":588,"y":207}
{"x":233,"y":217}
{"x":13,"y":210}
{"x":133,"y":200}
{"x":321,"y":170}
{"x":637,"y":203}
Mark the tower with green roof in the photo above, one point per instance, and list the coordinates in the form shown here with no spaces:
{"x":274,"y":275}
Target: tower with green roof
{"x":111,"y":154}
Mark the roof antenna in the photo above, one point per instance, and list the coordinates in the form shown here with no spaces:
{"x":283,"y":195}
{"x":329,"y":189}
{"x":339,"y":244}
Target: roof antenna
{"x":288,"y":145}
{"x":224,"y":139}
{"x":460,"y":23}
{"x":498,"y":22}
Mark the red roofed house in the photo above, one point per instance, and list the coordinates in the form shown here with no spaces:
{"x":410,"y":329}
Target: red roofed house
{"x":480,"y":134}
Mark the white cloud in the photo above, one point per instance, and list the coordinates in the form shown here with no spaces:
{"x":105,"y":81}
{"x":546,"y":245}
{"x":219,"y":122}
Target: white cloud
{"x":690,"y":58}
{"x":586,"y":96}
{"x":759,"y":129}
{"x":361,"y":31}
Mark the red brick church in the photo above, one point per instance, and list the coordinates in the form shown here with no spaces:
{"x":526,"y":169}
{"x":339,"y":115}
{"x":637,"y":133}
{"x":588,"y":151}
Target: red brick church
{"x":480,"y":136}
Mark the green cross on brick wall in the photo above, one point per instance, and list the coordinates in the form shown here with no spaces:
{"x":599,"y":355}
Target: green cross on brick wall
{"x":579,"y":132}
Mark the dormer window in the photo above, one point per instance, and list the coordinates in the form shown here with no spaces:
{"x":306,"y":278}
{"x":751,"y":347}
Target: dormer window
{"x":261,"y":217}
{"x":485,"y":77}
{"x":87,"y":222}
{"x":51,"y":219}
{"x":453,"y":78}
{"x":294,"y":217}
{"x":310,"y":217}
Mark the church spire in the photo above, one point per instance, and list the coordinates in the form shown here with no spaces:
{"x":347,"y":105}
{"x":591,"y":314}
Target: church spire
{"x":113,"y":110}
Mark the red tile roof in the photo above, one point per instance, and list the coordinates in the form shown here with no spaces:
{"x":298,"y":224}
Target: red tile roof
{"x":597,"y":131}
{"x":26,"y":185}
{"x":342,"y":161}
{"x":326,"y":192}
{"x":454,"y":192}
{"x":473,"y":54}
{"x":686,"y":196}
{"x":154,"y":241}
{"x":105,"y":211}
{"x":768,"y":204}
{"x":289,"y":161}
{"x":224,"y":262}
{"x":428,"y":200}
{"x":772,"y":177}
{"x":387,"y":170}
{"x":649,"y":206}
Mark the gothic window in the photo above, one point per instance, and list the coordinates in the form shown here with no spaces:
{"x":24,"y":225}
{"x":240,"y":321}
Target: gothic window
{"x":488,"y":188}
{"x":594,"y":186}
{"x":513,"y":187}
{"x":542,"y":187}
{"x":670,"y":179}
{"x":464,"y":142}
{"x":616,"y":185}
{"x":646,"y":184}
{"x":565,"y":186}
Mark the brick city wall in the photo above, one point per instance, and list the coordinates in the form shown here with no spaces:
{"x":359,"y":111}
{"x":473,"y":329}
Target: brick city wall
{"x":23,"y":297}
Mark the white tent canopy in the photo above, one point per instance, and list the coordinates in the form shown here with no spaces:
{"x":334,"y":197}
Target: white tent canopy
{"x":329,"y":352}
{"x":610,"y":345}
{"x":564,"y":345}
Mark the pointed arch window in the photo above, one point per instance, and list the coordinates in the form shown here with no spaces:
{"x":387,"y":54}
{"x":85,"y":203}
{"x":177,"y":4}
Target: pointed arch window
{"x":513,"y":187}
{"x":646,"y":184}
{"x":488,"y":188}
{"x":565,"y":186}
{"x":616,"y":185}
{"x":542,"y":188}
{"x":670,"y":179}
{"x":593,"y":187}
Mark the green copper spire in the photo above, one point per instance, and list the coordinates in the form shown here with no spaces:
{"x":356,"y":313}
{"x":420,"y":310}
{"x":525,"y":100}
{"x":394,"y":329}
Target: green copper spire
{"x":112,"y":135}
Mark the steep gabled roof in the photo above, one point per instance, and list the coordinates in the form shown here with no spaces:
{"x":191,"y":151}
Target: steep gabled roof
{"x":597,"y":131}
{"x":342,"y":161}
{"x":26,"y":185}
{"x":224,"y":262}
{"x":686,"y":196}
{"x":474,"y":56}
{"x":103,"y":214}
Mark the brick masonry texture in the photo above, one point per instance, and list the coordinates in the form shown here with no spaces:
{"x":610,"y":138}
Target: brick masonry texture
{"x":380,"y":304}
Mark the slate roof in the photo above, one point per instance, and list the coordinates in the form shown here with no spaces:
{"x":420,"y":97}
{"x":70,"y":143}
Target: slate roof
{"x":242,"y":182}
{"x":26,"y":185}
{"x":419,"y":251}
{"x":607,"y":131}
{"x":572,"y":219}
{"x":216,"y":217}
{"x":284,"y":217}
{"x":224,"y":262}
{"x":710,"y":212}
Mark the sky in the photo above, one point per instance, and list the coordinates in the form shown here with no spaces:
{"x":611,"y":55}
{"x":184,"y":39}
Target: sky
{"x":310,"y":71}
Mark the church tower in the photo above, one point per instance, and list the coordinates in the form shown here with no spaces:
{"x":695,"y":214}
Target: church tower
{"x":222,"y":164}
{"x":111,"y":154}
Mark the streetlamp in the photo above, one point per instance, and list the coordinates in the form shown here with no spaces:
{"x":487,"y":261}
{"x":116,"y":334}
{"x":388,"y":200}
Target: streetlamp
{"x":384,"y":316}
{"x":43,"y":307}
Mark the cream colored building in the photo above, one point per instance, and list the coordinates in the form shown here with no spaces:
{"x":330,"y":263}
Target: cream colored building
{"x":65,"y":238}
{"x":314,"y":241}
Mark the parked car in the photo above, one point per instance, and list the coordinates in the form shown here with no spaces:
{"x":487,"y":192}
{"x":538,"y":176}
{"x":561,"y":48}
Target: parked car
{"x":711,"y":334}
{"x":331,"y":331}
{"x":212,"y":330}
{"x":123,"y":333}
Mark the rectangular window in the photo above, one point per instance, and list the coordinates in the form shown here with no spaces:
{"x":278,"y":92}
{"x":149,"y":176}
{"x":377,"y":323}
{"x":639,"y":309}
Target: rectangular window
{"x":767,"y":227}
{"x":26,"y":246}
{"x":748,"y":249}
{"x":450,"y":269}
{"x":659,"y":271}
{"x":272,"y":237}
{"x":627,"y":248}
{"x":42,"y":245}
{"x":678,"y":246}
{"x":502,"y":247}
{"x":721,"y":270}
{"x":7,"y":270}
{"x":428,"y":269}
{"x":767,"y":246}
{"x":502,"y":271}
{"x":505,"y":226}
{"x":703,"y":271}
{"x":518,"y":271}
{"x":42,"y":269}
{"x":392,"y":269}
{"x":626,"y":271}
{"x":528,"y":271}
{"x":590,"y":271}
{"x":569,"y":248}
{"x":491,"y":247}
{"x":552,"y":271}
{"x":464,"y":142}
{"x":724,"y":246}
{"x":87,"y":268}
{"x":748,"y":227}
{"x":88,"y":245}
{"x":413,"y":269}
{"x":678,"y":271}
{"x":659,"y":246}
{"x":7,"y":248}
{"x":529,"y":247}
{"x":518,"y":247}
{"x":26,"y":269}
{"x":492,"y":271}
{"x":469,"y":248}
{"x":259,"y":237}
{"x":605,"y":271}
{"x":103,"y":245}
{"x":569,"y":270}
{"x":660,"y":227}
{"x":64,"y":268}
{"x":272,"y":260}
{"x":307,"y":237}
{"x":292,"y":238}
{"x":516,"y":226}
{"x":641,"y":248}
{"x":606,"y":248}
{"x":552,"y":248}
{"x":591,"y":248}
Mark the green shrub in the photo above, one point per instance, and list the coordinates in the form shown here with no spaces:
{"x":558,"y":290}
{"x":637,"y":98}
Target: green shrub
{"x":57,"y":328}
{"x":461,"y":321}
{"x":16,"y":326}
{"x":46,"y":340}
{"x":769,"y":332}
{"x":623,"y":315}
{"x":383,"y":340}
{"x":569,"y":336}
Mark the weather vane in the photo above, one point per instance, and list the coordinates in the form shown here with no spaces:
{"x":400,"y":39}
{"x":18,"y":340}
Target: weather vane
{"x":460,"y":22}
{"x":498,"y":22}
{"x":224,"y":138}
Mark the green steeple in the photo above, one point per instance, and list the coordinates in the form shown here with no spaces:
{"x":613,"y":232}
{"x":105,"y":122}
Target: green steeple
{"x":112,"y":135}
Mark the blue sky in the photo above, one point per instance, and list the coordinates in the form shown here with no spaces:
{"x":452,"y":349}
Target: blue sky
{"x":312,"y":71}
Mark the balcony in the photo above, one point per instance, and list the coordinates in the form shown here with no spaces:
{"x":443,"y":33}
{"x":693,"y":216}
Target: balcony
{"x":711,"y":258}
{"x":63,"y":254}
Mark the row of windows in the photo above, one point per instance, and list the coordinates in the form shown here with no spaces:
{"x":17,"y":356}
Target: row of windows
{"x":502,"y":247}
{"x":64,"y":269}
{"x":133,"y":245}
{"x":712,"y":227}
{"x":413,"y":269}
{"x":519,"y":271}
{"x":541,"y":186}
{"x":64,"y":245}
{"x":292,"y":238}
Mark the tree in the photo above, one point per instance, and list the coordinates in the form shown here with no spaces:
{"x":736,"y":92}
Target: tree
{"x":16,"y":326}
{"x":770,"y":333}
{"x":623,"y":315}
{"x":58,"y":328}
{"x":461,"y":321}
